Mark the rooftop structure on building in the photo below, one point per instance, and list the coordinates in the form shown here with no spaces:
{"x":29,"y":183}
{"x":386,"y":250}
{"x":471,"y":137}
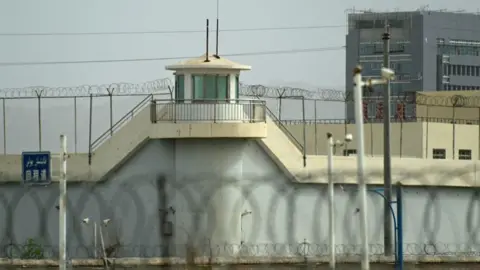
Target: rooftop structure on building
{"x":430,"y":49}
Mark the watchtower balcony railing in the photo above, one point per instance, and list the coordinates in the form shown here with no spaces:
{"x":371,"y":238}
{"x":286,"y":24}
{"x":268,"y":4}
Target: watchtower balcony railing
{"x":216,"y":111}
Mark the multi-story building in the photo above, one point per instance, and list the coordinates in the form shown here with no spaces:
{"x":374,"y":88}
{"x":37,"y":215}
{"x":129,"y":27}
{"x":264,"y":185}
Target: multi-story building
{"x":429,"y":51}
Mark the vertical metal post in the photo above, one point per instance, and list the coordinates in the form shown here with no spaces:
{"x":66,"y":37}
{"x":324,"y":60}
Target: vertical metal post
{"x":387,"y":159}
{"x":104,"y":253}
{"x":90,"y":132}
{"x":110,"y":95}
{"x":75,"y":122}
{"x":304,"y":133}
{"x":362,"y":185}
{"x":39,"y":106}
{"x":331,"y":198}
{"x":453,"y":130}
{"x":315,"y":128}
{"x":280,"y":108}
{"x":426,"y":131}
{"x":400,"y":226}
{"x":4,"y":127}
{"x":63,"y":204}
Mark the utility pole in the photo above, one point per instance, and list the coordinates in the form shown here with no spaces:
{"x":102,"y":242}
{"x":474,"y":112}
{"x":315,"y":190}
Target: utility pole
{"x":387,"y":159}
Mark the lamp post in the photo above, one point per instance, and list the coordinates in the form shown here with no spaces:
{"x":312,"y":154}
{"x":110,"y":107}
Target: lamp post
{"x":62,"y":240}
{"x":331,"y":147}
{"x":387,"y":74}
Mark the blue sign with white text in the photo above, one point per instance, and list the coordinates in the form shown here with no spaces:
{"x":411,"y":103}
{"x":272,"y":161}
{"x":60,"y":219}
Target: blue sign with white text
{"x":36,"y":168}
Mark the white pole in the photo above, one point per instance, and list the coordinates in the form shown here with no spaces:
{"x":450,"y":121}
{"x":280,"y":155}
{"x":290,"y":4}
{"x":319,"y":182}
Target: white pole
{"x":331,"y":198}
{"x":358,"y":83}
{"x":63,"y":204}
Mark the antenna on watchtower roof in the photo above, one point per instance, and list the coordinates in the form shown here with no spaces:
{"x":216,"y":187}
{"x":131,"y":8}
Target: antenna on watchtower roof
{"x":206,"y":54}
{"x":217,"y":30}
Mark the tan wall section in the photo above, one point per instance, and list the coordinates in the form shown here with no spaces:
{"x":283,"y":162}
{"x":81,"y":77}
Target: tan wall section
{"x":452,"y":138}
{"x":439,"y":113}
{"x":416,"y":139}
{"x":406,"y":138}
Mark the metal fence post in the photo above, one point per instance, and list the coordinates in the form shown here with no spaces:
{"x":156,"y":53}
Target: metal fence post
{"x":39,"y":106}
{"x":110,"y":96}
{"x":4,"y":127}
{"x":75,"y":122}
{"x":90,"y":132}
{"x":426,"y":131}
{"x":280,"y":108}
{"x":304,"y":133}
{"x":315,"y":128}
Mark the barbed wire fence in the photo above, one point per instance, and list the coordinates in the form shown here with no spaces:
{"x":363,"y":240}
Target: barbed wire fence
{"x":45,"y":112}
{"x":332,"y":109}
{"x":172,"y":218}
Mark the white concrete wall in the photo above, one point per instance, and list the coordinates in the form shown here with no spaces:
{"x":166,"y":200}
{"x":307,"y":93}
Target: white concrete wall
{"x":180,"y":182}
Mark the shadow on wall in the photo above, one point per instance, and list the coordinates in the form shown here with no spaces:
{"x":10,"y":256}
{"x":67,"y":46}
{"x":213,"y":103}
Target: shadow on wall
{"x":158,"y":215}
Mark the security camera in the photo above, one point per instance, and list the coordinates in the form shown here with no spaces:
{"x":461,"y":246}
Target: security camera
{"x":387,"y":73}
{"x":85,"y":220}
{"x":348,"y":137}
{"x":106,"y":221}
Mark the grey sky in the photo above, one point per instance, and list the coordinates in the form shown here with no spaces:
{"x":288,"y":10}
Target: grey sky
{"x":311,"y":70}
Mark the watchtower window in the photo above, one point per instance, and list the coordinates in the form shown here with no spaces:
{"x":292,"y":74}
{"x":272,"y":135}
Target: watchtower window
{"x":210,"y":87}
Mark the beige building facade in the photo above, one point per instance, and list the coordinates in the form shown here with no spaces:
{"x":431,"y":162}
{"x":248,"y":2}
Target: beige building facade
{"x":445,"y":126}
{"x":408,"y":139}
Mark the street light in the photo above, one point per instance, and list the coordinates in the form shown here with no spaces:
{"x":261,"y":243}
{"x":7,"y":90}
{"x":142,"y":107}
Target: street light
{"x":387,"y":75}
{"x":105,"y":222}
{"x":242,"y":215}
{"x":331,"y":148}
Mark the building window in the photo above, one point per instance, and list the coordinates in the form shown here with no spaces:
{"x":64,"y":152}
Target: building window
{"x":349,"y":152}
{"x":210,"y":87}
{"x":180,"y":88}
{"x":410,"y":110}
{"x":372,"y":110}
{"x":237,"y":87}
{"x":465,"y":154}
{"x":439,"y":153}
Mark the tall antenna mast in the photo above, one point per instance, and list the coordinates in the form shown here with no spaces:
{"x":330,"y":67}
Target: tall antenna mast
{"x":217,"y":30}
{"x":206,"y":45}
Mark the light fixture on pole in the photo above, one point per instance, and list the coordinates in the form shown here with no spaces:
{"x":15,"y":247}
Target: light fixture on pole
{"x":331,"y":146}
{"x":105,"y":222}
{"x":387,"y":75}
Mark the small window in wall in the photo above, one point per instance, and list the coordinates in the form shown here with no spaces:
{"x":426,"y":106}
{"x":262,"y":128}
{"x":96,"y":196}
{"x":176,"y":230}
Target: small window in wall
{"x":180,"y":88}
{"x":439,"y":153}
{"x":465,"y":154}
{"x":349,"y":152}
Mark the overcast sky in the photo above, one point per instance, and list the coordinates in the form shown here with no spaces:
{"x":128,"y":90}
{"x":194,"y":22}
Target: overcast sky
{"x":309,"y":70}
